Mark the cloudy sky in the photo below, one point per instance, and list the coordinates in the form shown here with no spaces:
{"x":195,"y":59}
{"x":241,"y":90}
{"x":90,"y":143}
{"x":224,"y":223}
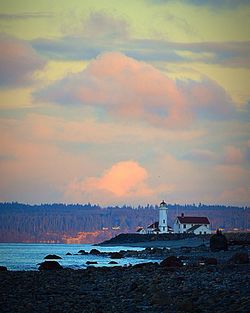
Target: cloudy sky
{"x":112,"y":102}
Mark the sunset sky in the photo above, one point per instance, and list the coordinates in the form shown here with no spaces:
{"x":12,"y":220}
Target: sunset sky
{"x":125,"y":102}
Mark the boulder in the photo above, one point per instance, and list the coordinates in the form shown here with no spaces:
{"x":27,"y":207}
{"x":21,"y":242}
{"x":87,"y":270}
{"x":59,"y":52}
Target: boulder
{"x":218,"y":242}
{"x":68,"y":253}
{"x":113,"y":262}
{"x":3,"y":269}
{"x":240,"y":258}
{"x":171,"y":261}
{"x":145,"y":265}
{"x":116,"y":255}
{"x":83,"y":252}
{"x":52,"y":257}
{"x":49,"y":265}
{"x":91,"y":262}
{"x":95,"y":252}
{"x":210,"y":261}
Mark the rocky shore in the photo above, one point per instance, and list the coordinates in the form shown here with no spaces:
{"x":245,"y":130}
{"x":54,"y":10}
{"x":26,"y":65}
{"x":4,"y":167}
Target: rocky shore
{"x":147,"y":288}
{"x":188,"y":280}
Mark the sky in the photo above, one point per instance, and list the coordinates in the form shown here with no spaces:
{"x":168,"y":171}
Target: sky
{"x":125,"y":102}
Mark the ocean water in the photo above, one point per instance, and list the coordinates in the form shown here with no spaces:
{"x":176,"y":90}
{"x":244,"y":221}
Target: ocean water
{"x":26,"y":256}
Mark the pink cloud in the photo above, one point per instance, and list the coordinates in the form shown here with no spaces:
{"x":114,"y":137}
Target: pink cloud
{"x":130,"y":89}
{"x":127,"y":88}
{"x":123,"y":178}
{"x":18,"y":62}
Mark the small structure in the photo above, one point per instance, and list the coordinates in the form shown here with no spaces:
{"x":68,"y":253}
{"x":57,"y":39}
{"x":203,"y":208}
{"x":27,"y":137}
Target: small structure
{"x":192,"y":224}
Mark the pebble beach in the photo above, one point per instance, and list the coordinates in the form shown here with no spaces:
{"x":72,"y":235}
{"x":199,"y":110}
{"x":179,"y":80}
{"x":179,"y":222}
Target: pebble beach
{"x":201,"y":285}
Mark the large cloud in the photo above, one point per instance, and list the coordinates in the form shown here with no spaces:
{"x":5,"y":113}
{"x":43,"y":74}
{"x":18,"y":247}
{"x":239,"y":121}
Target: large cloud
{"x":123,"y":182}
{"x":18,"y":62}
{"x":128,"y":88}
{"x":121,"y":179}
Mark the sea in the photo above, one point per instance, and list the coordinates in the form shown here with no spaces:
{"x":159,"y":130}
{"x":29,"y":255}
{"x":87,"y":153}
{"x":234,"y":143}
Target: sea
{"x":27,"y":256}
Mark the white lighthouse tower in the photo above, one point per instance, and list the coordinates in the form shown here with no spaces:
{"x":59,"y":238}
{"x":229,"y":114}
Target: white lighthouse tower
{"x":163,"y":217}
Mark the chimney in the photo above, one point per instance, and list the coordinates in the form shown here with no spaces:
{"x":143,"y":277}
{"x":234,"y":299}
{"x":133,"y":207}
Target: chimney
{"x":182,"y":214}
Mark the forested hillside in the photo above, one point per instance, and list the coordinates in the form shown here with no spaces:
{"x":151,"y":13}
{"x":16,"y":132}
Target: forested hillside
{"x":91,"y":223}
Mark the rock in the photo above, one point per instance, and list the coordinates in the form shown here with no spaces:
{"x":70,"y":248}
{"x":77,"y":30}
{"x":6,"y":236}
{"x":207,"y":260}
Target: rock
{"x":186,"y":305}
{"x":68,"y":253}
{"x":218,"y":242}
{"x":133,"y":286}
{"x":83,"y":252}
{"x":91,"y":262}
{"x":171,"y":261}
{"x":52,"y":257}
{"x":160,"y":298}
{"x":116,"y":255}
{"x":210,"y":261}
{"x":145,"y":265}
{"x":113,"y":262}
{"x":50,"y":265}
{"x":186,"y":249}
{"x":95,"y":252}
{"x":239,"y":258}
{"x":3,"y":269}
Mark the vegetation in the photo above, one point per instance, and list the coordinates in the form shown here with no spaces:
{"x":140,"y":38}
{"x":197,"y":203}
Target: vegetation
{"x":56,"y":222}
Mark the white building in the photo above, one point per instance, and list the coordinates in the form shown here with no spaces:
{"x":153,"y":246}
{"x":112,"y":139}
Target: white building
{"x":160,"y":227}
{"x":192,"y":224}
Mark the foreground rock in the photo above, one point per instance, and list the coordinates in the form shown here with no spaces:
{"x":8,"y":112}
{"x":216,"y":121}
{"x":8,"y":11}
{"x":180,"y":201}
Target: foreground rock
{"x":82,"y":252}
{"x":95,"y":252}
{"x":3,"y":268}
{"x":240,"y":258}
{"x":116,"y":255}
{"x":171,"y":261}
{"x":50,"y":265}
{"x":52,"y":257}
{"x":148,"y":288}
{"x":91,"y":262}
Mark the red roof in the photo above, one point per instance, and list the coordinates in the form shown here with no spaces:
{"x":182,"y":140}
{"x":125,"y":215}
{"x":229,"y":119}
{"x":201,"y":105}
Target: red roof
{"x":193,"y":220}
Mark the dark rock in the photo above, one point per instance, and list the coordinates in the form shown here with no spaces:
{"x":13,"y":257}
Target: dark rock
{"x":95,"y":252}
{"x":171,"y":261}
{"x":145,"y":265}
{"x":186,"y":305}
{"x":218,"y":242}
{"x":133,"y":286}
{"x":83,"y":252}
{"x":160,"y":298}
{"x":113,"y":262}
{"x":52,"y":257}
{"x":68,"y":253}
{"x":116,"y":255}
{"x":50,"y":265}
{"x":210,"y":261}
{"x":240,"y":258}
{"x":186,"y":249}
{"x":3,"y":268}
{"x":91,"y":262}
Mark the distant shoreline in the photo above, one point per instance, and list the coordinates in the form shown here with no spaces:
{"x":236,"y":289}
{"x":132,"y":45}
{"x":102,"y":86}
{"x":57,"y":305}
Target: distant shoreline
{"x":188,"y":242}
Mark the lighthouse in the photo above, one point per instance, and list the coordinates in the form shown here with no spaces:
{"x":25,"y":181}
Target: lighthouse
{"x":163,"y":217}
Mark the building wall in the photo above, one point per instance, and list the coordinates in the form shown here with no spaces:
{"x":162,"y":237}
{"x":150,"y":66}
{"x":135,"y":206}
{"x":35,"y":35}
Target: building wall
{"x":182,"y":228}
{"x":202,"y":230}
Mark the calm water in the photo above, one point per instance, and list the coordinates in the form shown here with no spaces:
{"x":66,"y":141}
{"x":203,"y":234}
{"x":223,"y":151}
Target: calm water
{"x":22,"y":256}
